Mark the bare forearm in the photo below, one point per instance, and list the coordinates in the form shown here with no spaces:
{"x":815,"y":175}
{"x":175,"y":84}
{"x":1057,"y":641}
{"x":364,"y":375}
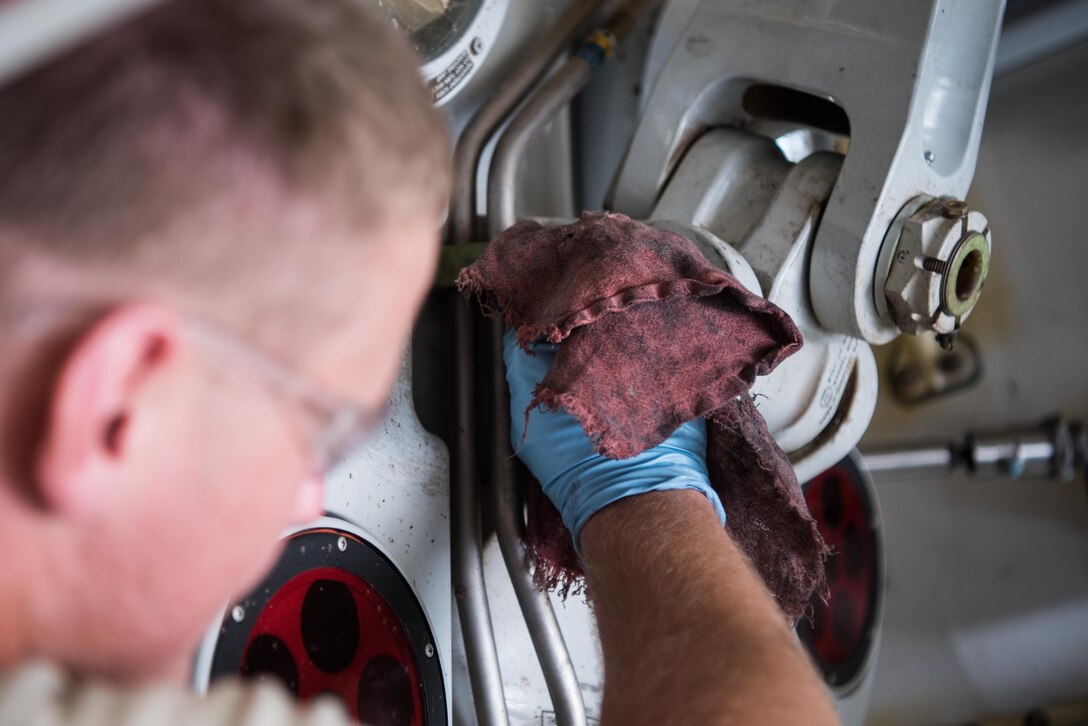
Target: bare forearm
{"x":689,"y":633}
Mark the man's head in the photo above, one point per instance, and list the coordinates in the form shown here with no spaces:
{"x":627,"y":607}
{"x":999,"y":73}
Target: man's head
{"x":271,"y":171}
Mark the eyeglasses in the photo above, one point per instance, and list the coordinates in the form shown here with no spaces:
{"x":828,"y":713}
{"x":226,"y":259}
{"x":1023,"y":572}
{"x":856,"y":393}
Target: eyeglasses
{"x":345,"y":424}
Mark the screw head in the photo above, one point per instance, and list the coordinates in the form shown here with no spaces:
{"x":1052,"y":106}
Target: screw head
{"x":954,"y":208}
{"x":429,"y":650}
{"x":476,"y":46}
{"x":342,"y":544}
{"x":929,"y":156}
{"x":238,"y":613}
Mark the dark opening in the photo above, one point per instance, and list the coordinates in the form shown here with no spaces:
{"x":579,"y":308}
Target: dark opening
{"x":385,"y":693}
{"x":776,"y":103}
{"x":967,"y":277}
{"x":268,"y":657}
{"x":832,"y":501}
{"x":330,"y":625}
{"x":840,"y":634}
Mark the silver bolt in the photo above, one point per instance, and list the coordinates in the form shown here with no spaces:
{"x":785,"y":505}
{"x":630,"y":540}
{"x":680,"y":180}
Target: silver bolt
{"x":476,"y":46}
{"x":932,"y":264}
{"x":238,"y":613}
{"x":429,"y":650}
{"x":954,"y":208}
{"x":930,"y":157}
{"x":342,"y":544}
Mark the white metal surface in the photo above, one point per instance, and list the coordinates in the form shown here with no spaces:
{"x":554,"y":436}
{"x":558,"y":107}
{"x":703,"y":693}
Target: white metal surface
{"x":912,"y":78}
{"x":393,"y":492}
{"x":33,"y":31}
{"x":737,"y":188}
{"x":395,"y":488}
{"x":520,"y":24}
{"x":448,"y":73}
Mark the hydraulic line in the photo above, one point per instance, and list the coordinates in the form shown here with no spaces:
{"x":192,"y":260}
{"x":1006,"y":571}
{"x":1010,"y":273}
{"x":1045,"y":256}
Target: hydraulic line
{"x":509,"y":93}
{"x":468,"y":578}
{"x":536,"y":608}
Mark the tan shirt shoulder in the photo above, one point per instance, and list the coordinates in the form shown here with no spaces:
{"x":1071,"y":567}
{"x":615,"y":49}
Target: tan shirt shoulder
{"x":41,"y":694}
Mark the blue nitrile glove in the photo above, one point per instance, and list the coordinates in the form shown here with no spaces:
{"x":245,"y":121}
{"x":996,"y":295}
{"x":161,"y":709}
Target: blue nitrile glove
{"x":578,"y":480}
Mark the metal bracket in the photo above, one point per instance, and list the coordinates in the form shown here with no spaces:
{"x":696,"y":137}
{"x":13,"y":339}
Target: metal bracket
{"x":912,"y":79}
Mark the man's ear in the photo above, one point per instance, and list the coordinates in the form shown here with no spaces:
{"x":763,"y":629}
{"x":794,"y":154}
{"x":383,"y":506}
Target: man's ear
{"x":84,"y":449}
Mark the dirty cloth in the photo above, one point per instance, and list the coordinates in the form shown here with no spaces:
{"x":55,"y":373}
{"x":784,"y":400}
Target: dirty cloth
{"x":654,"y":335}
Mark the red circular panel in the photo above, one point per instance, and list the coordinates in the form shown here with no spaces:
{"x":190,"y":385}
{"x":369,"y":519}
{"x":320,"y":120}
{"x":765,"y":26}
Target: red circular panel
{"x":340,"y":637}
{"x":838,"y":633}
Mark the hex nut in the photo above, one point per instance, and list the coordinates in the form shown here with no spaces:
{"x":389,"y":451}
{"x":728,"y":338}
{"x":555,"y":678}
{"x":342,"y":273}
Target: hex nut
{"x":939,"y":267}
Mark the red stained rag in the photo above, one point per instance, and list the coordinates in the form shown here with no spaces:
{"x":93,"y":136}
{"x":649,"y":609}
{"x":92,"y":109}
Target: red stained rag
{"x":654,"y":336}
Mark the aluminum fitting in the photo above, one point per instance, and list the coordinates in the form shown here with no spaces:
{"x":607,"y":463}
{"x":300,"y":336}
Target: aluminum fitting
{"x":939,"y":266}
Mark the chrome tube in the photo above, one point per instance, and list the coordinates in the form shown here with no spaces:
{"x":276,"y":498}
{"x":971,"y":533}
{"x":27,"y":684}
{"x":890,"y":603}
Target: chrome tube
{"x":469,"y":585}
{"x":536,"y":608}
{"x":911,"y":460}
{"x":1029,"y":454}
{"x":554,"y":95}
{"x":522,"y":80}
{"x":1054,"y":449}
{"x":468,"y":569}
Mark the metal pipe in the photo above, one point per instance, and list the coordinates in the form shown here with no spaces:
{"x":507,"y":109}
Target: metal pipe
{"x":536,"y":608}
{"x":1055,"y":449}
{"x":475,"y":616}
{"x":468,"y":570}
{"x":475,"y":136}
{"x":1031,"y":454}
{"x":556,"y":93}
{"x":911,"y":459}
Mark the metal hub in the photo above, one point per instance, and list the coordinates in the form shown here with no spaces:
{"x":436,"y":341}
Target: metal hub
{"x":939,"y":264}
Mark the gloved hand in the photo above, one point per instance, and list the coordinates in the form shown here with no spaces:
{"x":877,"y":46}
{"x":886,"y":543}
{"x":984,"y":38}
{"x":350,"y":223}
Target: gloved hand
{"x":578,"y":480}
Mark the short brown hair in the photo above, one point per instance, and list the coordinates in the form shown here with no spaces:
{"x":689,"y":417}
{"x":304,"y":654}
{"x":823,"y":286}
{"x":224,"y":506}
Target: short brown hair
{"x":102,"y":145}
